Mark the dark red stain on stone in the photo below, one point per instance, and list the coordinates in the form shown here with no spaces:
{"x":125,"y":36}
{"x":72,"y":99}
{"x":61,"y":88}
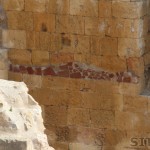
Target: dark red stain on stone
{"x":49,"y":71}
{"x":75,"y":70}
{"x":23,"y":69}
{"x":30,"y":70}
{"x":38,"y":71}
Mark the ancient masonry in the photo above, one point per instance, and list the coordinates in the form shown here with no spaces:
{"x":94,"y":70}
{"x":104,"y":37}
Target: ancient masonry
{"x":84,"y":61}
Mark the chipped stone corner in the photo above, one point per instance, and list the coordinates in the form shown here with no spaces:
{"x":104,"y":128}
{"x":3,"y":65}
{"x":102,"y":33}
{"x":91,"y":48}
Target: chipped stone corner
{"x":21,"y":122}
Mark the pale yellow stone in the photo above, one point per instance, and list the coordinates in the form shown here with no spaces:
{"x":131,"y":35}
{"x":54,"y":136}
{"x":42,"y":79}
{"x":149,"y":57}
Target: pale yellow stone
{"x":40,"y":57}
{"x":17,"y":56}
{"x":17,"y":5}
{"x":14,"y":39}
{"x":84,"y":7}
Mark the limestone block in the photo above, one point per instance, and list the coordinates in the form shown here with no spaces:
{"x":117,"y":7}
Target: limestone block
{"x":20,"y":20}
{"x":4,"y":74}
{"x":106,"y":87}
{"x":131,"y":47}
{"x":41,"y":95}
{"x":32,"y":81}
{"x":95,"y":61}
{"x":50,"y":97}
{"x":55,"y":83}
{"x":3,"y":64}
{"x":75,"y":43}
{"x":128,"y":9}
{"x":15,"y":76}
{"x":33,"y":40}
{"x":75,"y":99}
{"x":69,"y":24}
{"x":124,"y":28}
{"x":87,"y":135}
{"x":61,"y":58}
{"x":114,"y":63}
{"x":113,"y":137}
{"x":135,"y":103}
{"x":102,"y":101}
{"x":3,"y":59}
{"x":102,"y":119}
{"x":136,"y":65}
{"x":14,"y":39}
{"x":40,"y":57}
{"x":95,"y":26}
{"x":44,"y":22}
{"x":84,"y":7}
{"x":22,"y":57}
{"x":95,"y":43}
{"x":80,"y":146}
{"x":130,"y":89}
{"x":56,"y":42}
{"x":58,"y":6}
{"x":110,"y":49}
{"x":78,"y":116}
{"x":83,"y":58}
{"x":35,"y":5}
{"x":81,"y":85}
{"x":105,"y":8}
{"x":55,"y":115}
{"x":20,"y":118}
{"x":130,"y":121}
{"x":60,"y":136}
{"x":66,"y":43}
{"x":13,"y":5}
{"x":81,"y":44}
{"x":45,"y":41}
{"x":61,"y":145}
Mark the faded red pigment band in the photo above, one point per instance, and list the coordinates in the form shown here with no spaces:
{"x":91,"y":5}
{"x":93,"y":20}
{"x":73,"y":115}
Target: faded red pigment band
{"x":75,"y":70}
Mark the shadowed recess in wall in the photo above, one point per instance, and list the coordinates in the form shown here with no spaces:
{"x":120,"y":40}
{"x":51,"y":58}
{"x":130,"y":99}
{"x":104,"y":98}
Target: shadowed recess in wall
{"x":76,"y":70}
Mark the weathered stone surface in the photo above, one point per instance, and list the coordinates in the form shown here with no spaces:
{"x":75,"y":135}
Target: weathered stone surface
{"x":17,"y":5}
{"x":21,"y":123}
{"x":84,"y":7}
{"x":3,"y":64}
{"x":16,"y":145}
{"x":14,"y":39}
{"x":83,"y":61}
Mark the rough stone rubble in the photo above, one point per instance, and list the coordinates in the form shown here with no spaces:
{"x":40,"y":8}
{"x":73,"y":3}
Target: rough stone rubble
{"x":20,"y":117}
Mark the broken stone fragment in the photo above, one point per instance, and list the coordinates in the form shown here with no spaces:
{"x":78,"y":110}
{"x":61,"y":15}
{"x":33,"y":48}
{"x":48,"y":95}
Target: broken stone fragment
{"x":21,"y":123}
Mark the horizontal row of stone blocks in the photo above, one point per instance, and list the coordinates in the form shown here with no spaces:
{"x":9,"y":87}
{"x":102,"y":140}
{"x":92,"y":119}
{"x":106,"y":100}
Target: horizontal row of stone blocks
{"x":102,"y":8}
{"x":37,"y":41}
{"x":114,"y":27}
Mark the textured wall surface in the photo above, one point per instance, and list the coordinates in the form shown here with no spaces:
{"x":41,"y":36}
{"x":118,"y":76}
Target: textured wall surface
{"x":3,"y":51}
{"x":83,"y":61}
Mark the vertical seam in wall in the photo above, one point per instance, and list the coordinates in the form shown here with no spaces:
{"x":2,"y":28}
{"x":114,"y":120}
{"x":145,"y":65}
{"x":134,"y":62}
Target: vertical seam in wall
{"x":24,"y":5}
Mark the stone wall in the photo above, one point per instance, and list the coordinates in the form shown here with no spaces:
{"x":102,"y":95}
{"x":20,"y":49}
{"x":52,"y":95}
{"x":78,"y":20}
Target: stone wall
{"x":83,"y":61}
{"x":3,"y":51}
{"x":21,"y":122}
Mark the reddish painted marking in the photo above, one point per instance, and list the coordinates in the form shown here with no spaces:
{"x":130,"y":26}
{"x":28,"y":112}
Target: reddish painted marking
{"x":75,"y":70}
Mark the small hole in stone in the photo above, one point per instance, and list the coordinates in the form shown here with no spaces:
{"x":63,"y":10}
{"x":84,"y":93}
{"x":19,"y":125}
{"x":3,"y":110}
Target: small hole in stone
{"x":43,"y":27}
